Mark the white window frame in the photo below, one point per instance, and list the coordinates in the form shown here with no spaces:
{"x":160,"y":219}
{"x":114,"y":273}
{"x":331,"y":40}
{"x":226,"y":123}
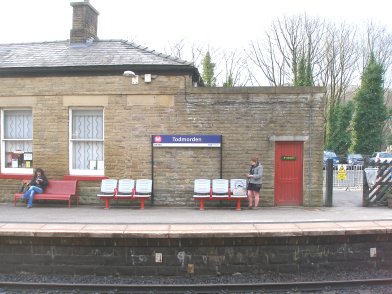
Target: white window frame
{"x":86,"y":172}
{"x":10,"y":170}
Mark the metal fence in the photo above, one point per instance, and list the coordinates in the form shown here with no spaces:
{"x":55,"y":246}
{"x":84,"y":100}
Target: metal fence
{"x":352,"y":178}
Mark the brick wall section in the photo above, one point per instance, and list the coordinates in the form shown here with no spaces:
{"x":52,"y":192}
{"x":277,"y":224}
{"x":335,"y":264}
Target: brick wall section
{"x":245,"y":117}
{"x":136,"y":256}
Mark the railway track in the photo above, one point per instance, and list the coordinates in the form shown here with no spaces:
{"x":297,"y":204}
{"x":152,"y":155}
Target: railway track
{"x":294,"y":287}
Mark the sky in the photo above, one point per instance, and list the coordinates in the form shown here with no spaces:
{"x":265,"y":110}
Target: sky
{"x":225,"y":24}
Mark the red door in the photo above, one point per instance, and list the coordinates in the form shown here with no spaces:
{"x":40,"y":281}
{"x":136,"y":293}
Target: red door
{"x":288,"y":173}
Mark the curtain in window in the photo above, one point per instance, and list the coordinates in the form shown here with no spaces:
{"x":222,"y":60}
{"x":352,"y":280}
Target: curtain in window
{"x":87,"y":138}
{"x":18,"y":130}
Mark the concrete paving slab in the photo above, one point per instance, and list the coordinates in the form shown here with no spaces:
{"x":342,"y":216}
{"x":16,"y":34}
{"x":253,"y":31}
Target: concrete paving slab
{"x":222,"y":230}
{"x":63,"y":227}
{"x":22,"y":226}
{"x":146,"y":231}
{"x":144,"y":227}
{"x":359,"y":228}
{"x":104,"y":227}
{"x":279,"y":230}
{"x":386,"y":224}
{"x":165,"y":222}
{"x":321,"y":229}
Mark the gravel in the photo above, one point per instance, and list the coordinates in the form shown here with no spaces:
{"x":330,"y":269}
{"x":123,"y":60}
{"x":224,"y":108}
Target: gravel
{"x":237,"y":278}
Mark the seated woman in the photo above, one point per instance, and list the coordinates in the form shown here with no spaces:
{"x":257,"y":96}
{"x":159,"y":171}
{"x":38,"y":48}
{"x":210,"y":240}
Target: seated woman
{"x":37,"y":185}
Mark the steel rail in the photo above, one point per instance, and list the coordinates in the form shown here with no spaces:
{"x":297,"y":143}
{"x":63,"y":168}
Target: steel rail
{"x":202,"y":288}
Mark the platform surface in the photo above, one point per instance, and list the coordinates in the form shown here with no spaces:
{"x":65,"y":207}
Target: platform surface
{"x":347,"y":216}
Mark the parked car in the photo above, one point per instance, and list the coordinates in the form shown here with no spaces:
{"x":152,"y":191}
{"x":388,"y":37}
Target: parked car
{"x":354,"y":160}
{"x":330,"y":155}
{"x":381,"y":157}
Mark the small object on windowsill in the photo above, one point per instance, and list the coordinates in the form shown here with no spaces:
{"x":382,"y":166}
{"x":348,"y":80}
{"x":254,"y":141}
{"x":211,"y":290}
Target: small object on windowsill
{"x":93,"y":164}
{"x":15,"y":163}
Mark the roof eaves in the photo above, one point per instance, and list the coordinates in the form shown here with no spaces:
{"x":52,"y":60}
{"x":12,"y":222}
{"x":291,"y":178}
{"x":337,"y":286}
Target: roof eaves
{"x":94,"y":70}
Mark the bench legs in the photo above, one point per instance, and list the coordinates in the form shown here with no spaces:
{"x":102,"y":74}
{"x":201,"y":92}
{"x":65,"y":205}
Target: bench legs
{"x":107,"y":200}
{"x":238,"y":207}
{"x":201,"y":204}
{"x":238,"y":204}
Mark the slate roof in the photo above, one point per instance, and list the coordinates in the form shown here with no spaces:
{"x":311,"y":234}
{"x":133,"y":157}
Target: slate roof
{"x":102,"y":53}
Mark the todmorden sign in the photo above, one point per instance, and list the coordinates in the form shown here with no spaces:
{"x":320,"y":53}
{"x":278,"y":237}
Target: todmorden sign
{"x":186,"y":140}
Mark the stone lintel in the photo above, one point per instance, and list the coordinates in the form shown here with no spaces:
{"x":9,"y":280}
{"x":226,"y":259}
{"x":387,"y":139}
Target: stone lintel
{"x":288,"y":138}
{"x":85,"y":101}
{"x":29,"y":101}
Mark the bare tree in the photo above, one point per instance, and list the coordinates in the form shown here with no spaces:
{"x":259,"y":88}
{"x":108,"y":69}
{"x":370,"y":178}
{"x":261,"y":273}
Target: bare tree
{"x":175,"y":48}
{"x":377,"y":40}
{"x":230,"y":65}
{"x":192,"y":52}
{"x":338,"y":66}
{"x":265,"y":59}
{"x":235,"y":69}
{"x":284,"y":43}
{"x":337,"y":70}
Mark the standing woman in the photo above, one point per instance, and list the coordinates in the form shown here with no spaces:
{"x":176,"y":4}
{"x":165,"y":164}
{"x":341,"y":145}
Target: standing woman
{"x":37,"y":185}
{"x":254,"y":181}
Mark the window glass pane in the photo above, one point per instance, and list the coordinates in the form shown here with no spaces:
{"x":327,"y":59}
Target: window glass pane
{"x":12,"y":146}
{"x":18,"y":154}
{"x":87,"y":142}
{"x":87,"y":154}
{"x":17,"y":124}
{"x":87,"y":124}
{"x":17,"y":139}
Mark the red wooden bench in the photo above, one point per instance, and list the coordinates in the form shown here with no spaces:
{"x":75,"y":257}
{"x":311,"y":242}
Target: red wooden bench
{"x":56,"y":190}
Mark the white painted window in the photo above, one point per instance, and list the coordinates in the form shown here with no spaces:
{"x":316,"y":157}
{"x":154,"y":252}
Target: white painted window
{"x":86,"y":141}
{"x":17,"y":141}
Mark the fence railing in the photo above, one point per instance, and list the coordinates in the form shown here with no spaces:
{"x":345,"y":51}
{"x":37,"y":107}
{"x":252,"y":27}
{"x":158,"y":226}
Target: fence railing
{"x":352,"y":178}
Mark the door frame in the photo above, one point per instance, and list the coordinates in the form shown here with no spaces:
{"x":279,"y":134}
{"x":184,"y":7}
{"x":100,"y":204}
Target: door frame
{"x":299,"y":197}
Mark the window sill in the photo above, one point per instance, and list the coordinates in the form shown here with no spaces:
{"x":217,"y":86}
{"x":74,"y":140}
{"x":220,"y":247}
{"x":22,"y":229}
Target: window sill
{"x":84,"y":178}
{"x":16,"y":176}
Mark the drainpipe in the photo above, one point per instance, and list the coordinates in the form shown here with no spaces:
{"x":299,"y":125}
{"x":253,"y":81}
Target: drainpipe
{"x":310,"y":197}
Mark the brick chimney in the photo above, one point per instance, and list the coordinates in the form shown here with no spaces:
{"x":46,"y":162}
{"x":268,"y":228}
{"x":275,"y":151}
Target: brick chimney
{"x":84,"y":22}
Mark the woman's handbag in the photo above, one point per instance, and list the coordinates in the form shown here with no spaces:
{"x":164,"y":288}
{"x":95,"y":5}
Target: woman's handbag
{"x":24,"y":187}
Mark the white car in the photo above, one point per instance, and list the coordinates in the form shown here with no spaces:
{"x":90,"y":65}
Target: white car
{"x":381,"y":157}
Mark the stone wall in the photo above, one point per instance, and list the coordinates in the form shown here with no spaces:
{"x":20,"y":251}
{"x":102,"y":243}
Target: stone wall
{"x":247,"y":118}
{"x":208,"y":256}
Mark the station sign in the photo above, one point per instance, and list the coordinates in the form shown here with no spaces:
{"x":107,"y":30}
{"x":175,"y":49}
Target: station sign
{"x":187,"y":140}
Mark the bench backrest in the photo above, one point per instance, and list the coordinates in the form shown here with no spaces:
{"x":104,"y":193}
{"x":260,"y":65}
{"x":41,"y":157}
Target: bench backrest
{"x":108,"y":186}
{"x":202,"y":186}
{"x":238,"y":187}
{"x":126,"y":186}
{"x":220,"y":186}
{"x":143,"y":186}
{"x":61,"y":187}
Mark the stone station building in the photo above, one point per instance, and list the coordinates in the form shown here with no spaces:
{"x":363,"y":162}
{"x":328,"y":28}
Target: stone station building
{"x":68,"y":107}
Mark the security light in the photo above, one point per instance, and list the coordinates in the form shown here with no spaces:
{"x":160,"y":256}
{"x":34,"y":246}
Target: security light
{"x":129,"y":73}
